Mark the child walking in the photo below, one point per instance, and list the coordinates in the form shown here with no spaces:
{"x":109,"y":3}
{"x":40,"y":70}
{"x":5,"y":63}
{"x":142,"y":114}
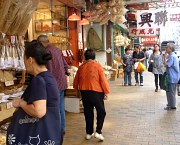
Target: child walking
{"x":127,"y":62}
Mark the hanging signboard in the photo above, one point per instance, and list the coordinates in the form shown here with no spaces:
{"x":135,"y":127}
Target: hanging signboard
{"x":149,"y":39}
{"x":174,"y":17}
{"x":172,"y":1}
{"x":139,"y":1}
{"x":156,"y":18}
{"x":143,"y":32}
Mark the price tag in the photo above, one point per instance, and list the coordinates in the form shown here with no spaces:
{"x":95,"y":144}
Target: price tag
{"x":9,"y":105}
{"x":9,"y":83}
{"x":13,"y":39}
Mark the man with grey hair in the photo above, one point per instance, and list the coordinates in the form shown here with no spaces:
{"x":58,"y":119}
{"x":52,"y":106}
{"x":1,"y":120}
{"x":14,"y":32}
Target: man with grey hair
{"x":172,"y":70}
{"x":58,"y":67}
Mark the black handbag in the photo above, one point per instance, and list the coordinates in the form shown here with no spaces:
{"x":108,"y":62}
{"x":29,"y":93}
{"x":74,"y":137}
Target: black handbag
{"x":150,"y":68}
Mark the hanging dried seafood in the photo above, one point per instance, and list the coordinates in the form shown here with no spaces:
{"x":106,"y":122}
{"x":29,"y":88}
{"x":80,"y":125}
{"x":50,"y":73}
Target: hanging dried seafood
{"x":119,"y":40}
{"x":105,"y":11}
{"x":11,"y":54}
{"x":4,"y":8}
{"x":16,"y":15}
{"x":126,"y":41}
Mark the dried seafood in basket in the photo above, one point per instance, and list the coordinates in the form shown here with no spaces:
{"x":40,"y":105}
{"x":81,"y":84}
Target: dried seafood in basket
{"x":105,"y":11}
{"x":12,"y":12}
{"x":86,"y":13}
{"x":16,"y":15}
{"x":27,"y":15}
{"x":12,"y":30}
{"x":104,"y":20}
{"x":4,"y":7}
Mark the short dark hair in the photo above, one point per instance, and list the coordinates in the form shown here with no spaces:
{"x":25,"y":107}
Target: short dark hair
{"x":37,"y":51}
{"x":136,"y":46}
{"x":127,"y":49}
{"x":89,"y":54}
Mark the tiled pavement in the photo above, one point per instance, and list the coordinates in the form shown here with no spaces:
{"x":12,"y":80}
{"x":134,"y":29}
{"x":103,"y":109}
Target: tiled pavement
{"x":135,"y":116}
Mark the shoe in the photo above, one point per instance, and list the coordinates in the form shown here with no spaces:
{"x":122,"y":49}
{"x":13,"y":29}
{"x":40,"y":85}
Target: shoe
{"x":141,"y":84}
{"x":125,"y":84}
{"x":156,"y":90}
{"x":170,"y":108}
{"x":129,"y":84}
{"x":99,"y":136}
{"x":88,"y":136}
{"x":137,"y":84}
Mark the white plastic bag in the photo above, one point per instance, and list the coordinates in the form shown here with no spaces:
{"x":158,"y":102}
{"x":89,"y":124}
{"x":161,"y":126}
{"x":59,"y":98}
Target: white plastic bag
{"x":136,"y":65}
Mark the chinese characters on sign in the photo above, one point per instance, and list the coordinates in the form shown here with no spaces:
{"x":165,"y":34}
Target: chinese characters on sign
{"x":146,"y":18}
{"x":172,"y":1}
{"x":161,"y":18}
{"x":155,"y":18}
{"x":175,"y":17}
{"x":150,"y":39}
{"x":143,"y":32}
{"x":166,"y":0}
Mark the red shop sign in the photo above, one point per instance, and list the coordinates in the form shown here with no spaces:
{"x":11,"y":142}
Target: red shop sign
{"x":150,"y":39}
{"x":143,"y":32}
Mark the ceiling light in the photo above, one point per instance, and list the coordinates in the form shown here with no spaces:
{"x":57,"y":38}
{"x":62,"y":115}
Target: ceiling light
{"x":74,"y":17}
{"x":84,"y":22}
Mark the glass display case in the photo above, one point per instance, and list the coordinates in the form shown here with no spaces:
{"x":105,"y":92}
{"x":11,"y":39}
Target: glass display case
{"x":52,"y":21}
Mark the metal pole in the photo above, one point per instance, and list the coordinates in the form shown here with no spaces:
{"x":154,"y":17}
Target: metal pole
{"x":52,"y":17}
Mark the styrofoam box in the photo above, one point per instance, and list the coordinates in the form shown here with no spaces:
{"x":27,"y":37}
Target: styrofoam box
{"x":72,"y":105}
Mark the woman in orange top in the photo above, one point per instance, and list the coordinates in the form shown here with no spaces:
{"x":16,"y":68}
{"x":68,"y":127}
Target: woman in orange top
{"x":93,"y":85}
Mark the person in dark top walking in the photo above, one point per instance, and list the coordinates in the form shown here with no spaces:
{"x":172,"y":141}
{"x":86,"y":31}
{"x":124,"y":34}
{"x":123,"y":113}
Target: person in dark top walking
{"x":36,"y":120}
{"x":127,"y":62}
{"x":138,"y":56}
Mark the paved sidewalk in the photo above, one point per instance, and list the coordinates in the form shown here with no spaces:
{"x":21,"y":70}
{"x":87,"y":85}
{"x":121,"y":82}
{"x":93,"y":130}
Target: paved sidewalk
{"x":135,"y":116}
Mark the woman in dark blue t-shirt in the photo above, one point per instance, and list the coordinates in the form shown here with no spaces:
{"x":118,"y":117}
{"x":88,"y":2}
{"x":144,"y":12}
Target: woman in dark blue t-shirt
{"x":36,"y":121}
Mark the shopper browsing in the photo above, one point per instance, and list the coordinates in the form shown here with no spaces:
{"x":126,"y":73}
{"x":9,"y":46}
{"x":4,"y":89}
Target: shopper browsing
{"x":39,"y":105}
{"x":127,"y":62}
{"x":90,"y":80}
{"x":138,"y":56}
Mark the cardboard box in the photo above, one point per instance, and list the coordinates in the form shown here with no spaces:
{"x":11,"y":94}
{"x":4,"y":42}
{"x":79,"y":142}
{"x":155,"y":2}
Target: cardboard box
{"x":73,"y":105}
{"x":113,"y":73}
{"x":70,"y":92}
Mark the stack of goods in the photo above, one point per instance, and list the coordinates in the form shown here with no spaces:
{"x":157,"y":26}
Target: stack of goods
{"x":10,"y":94}
{"x":113,"y":10}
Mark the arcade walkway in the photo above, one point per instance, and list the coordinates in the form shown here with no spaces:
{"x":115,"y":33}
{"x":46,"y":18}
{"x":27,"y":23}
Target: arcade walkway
{"x":135,"y":116}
